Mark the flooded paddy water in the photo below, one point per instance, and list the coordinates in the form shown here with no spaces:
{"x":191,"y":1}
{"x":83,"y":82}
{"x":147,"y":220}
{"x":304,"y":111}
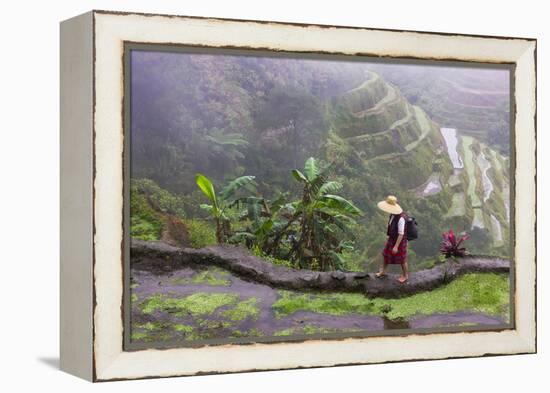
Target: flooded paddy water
{"x":213,"y":303}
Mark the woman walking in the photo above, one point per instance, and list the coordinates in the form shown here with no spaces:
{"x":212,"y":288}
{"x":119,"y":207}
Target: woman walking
{"x":395,"y":251}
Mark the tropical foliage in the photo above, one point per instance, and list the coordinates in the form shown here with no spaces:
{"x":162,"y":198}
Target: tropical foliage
{"x":231,"y":116}
{"x":451,"y":245}
{"x":310,"y":232}
{"x":324,"y":219}
{"x":220,"y":203}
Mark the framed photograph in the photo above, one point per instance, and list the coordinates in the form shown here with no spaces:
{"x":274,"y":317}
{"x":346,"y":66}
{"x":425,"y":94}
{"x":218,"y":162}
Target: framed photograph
{"x":243,"y":195}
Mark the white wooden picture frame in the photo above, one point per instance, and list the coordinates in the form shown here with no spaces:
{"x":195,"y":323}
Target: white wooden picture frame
{"x":92,"y":177}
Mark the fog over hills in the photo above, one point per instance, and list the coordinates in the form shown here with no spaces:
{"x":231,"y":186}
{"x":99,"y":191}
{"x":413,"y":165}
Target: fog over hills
{"x":435,"y":137}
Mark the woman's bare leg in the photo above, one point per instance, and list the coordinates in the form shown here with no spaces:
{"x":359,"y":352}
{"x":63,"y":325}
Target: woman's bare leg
{"x":405,"y":276}
{"x":382,"y":271}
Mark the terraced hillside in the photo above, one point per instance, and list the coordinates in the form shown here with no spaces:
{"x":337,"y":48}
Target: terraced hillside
{"x":387,"y":131}
{"x":412,"y":156}
{"x":232,"y":239}
{"x":381,"y":131}
{"x":482,"y":191}
{"x":488,"y":188}
{"x":474,"y":101}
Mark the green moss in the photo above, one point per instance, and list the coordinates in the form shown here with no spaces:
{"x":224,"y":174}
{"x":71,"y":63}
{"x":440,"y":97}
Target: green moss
{"x":255,"y":332}
{"x":182,"y":328}
{"x":312,"y":329}
{"x":154,"y":326}
{"x":214,"y":277}
{"x":211,"y":324}
{"x":194,"y":336}
{"x":334,"y":304}
{"x":139,"y":336}
{"x":152,"y":331}
{"x":149,"y":326}
{"x":284,"y":332}
{"x":486,"y":293}
{"x":200,"y":303}
{"x":211,"y":278}
{"x":245,"y":309}
{"x":133,"y":298}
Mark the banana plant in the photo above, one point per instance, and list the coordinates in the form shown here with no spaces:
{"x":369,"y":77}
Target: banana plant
{"x":228,"y":146}
{"x":267,"y":222}
{"x":221,"y":203}
{"x":324,"y":218}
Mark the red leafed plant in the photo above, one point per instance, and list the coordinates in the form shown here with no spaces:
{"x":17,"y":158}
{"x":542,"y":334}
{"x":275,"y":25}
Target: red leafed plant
{"x":451,"y":246}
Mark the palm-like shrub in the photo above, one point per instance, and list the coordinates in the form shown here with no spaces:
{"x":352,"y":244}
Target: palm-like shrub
{"x":323,"y":218}
{"x":221,"y":203}
{"x":311,"y":232}
{"x":267,"y":222}
{"x":451,"y":246}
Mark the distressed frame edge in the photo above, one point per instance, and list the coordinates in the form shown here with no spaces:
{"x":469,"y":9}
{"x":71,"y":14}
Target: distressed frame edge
{"x":76,"y":196}
{"x":304,"y":24}
{"x":526,"y":121}
{"x":129,"y":47}
{"x":528,"y":340}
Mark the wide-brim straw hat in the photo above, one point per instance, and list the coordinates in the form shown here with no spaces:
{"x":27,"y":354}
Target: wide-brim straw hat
{"x":390,"y":205}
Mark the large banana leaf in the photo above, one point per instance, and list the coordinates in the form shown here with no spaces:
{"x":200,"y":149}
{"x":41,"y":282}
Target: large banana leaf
{"x":299,"y":176}
{"x":311,"y":169}
{"x":330,"y":187}
{"x":207,"y":188}
{"x":241,"y":236}
{"x":264,"y":229}
{"x":254,"y":211}
{"x":316,"y":184}
{"x":341,"y":221}
{"x":208,"y":208}
{"x":245,"y":201}
{"x":253,"y":206}
{"x":231,"y":139}
{"x":341,"y":204}
{"x":279,"y":202}
{"x":233,"y":186}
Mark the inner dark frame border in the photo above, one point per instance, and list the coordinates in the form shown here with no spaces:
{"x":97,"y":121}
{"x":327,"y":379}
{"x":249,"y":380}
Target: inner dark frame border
{"x":130,"y":46}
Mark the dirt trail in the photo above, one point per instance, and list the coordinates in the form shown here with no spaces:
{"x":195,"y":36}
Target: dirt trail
{"x":162,"y":258}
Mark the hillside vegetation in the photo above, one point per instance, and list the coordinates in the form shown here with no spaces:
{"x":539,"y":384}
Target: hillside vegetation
{"x":263,"y":117}
{"x":474,"y":101}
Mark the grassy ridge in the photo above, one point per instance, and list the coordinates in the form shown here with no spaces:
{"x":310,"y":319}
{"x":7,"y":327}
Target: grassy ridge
{"x":486,"y":293}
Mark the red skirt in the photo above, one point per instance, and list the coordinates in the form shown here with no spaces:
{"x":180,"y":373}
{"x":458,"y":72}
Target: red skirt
{"x":398,"y":258}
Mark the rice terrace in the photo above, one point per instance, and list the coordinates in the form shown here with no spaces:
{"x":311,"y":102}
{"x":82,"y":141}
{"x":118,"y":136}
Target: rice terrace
{"x":254,"y":189}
